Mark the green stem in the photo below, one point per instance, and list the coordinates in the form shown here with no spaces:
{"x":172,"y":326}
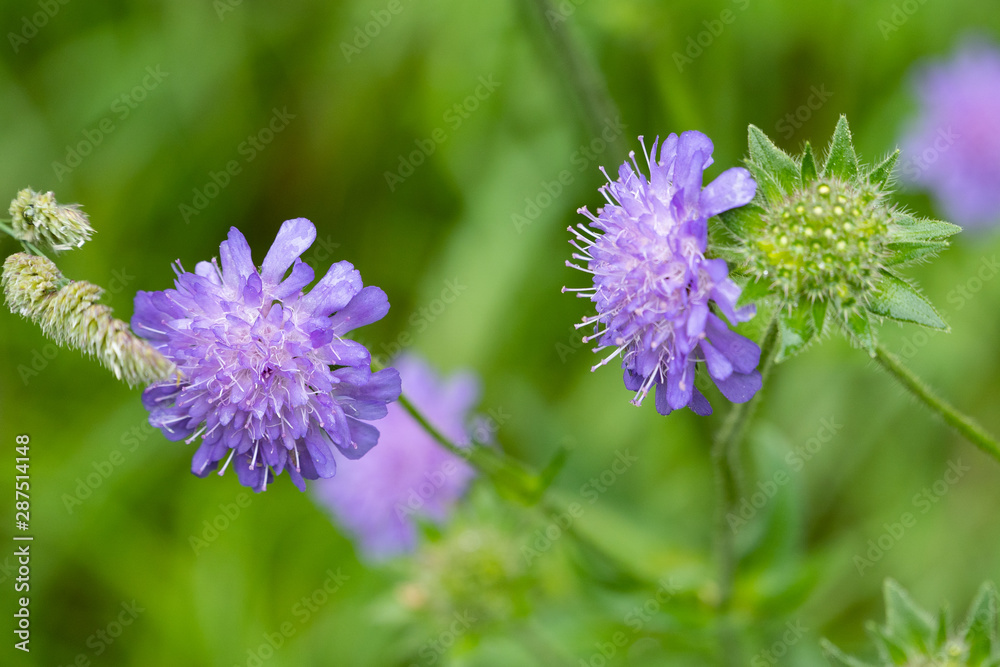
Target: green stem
{"x":725,"y":458}
{"x":506,"y":472}
{"x":581,"y":76}
{"x":527,"y":487}
{"x":963,"y":424}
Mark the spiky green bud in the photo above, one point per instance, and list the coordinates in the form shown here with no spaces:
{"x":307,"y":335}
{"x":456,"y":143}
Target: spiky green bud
{"x":826,"y":244}
{"x":68,"y":312}
{"x":37,"y":218}
{"x":914,"y":637}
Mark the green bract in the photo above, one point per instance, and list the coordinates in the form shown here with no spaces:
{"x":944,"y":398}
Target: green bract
{"x":826,"y":244}
{"x":913,"y":637}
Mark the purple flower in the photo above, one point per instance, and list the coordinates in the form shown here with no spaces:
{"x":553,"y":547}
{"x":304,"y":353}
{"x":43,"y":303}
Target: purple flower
{"x":266,"y":378}
{"x":653,"y":283}
{"x":953,"y":146}
{"x":410,"y":475}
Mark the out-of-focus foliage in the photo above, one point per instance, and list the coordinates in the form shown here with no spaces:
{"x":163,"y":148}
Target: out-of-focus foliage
{"x":444,"y":154}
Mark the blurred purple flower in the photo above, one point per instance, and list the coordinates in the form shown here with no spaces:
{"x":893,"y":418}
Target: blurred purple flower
{"x":265,"y":375}
{"x":409,"y":475}
{"x":952,"y":148}
{"x":653,"y":284}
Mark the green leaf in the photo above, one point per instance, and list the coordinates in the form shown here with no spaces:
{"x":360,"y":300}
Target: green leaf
{"x":844,"y":659}
{"x":819,"y":315}
{"x":906,"y":252}
{"x":943,"y":625}
{"x":754,"y":291}
{"x":859,"y":329}
{"x":797,"y":330}
{"x":897,"y":299}
{"x":552,"y":469}
{"x":880,"y":175}
{"x":722,"y":245}
{"x":766,"y":183}
{"x":743,"y":222}
{"x":807,"y":171}
{"x":777,"y":162}
{"x":841,"y":160}
{"x":906,"y":620}
{"x":908,"y":228}
{"x":889,"y":648}
{"x":981,"y":624}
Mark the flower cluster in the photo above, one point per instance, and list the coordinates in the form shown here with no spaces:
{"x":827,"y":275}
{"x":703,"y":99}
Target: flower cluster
{"x":265,"y":376}
{"x":826,"y":244}
{"x":409,"y":475}
{"x":653,"y":284}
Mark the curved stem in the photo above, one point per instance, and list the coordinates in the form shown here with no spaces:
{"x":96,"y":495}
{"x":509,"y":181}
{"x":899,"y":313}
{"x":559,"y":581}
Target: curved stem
{"x":526,"y":486}
{"x":725,"y":458}
{"x":508,"y":473}
{"x":964,"y":425}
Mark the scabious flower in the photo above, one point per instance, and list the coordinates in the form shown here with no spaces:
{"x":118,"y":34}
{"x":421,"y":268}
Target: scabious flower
{"x":952,"y":148}
{"x":653,"y":284}
{"x":378,"y":498}
{"x":265,"y":377}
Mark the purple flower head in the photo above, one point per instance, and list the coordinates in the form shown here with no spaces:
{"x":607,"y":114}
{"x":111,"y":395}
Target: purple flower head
{"x":266,"y":378}
{"x":953,"y":146}
{"x":409,"y":475}
{"x":653,"y":283}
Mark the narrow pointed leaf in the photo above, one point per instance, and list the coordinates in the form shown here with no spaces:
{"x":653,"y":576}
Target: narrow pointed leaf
{"x":859,"y":329}
{"x":880,"y":175}
{"x":944,"y":623}
{"x":890,"y":649}
{"x":807,"y":172}
{"x":909,"y":228}
{"x":841,"y":160}
{"x":766,"y":183}
{"x":907,"y":252}
{"x":819,"y":316}
{"x":899,"y":300}
{"x":838,"y":655}
{"x":776,"y":161}
{"x":744,"y":221}
{"x":981,"y":624}
{"x":754,"y":291}
{"x":552,"y":469}
{"x":906,"y":620}
{"x":797,"y":330}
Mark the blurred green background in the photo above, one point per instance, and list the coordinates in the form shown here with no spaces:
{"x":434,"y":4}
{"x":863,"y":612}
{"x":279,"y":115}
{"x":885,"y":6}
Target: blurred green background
{"x":309,"y":115}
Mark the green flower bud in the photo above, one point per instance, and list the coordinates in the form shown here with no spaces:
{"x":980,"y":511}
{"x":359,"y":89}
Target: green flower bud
{"x":67,"y":312}
{"x":827,"y":241}
{"x":38,"y":219}
{"x":826,"y":244}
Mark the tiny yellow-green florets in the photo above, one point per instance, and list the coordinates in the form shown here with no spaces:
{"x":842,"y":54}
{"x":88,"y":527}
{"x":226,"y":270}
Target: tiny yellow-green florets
{"x":826,"y":242}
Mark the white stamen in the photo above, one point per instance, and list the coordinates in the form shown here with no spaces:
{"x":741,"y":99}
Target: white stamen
{"x":226,"y":464}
